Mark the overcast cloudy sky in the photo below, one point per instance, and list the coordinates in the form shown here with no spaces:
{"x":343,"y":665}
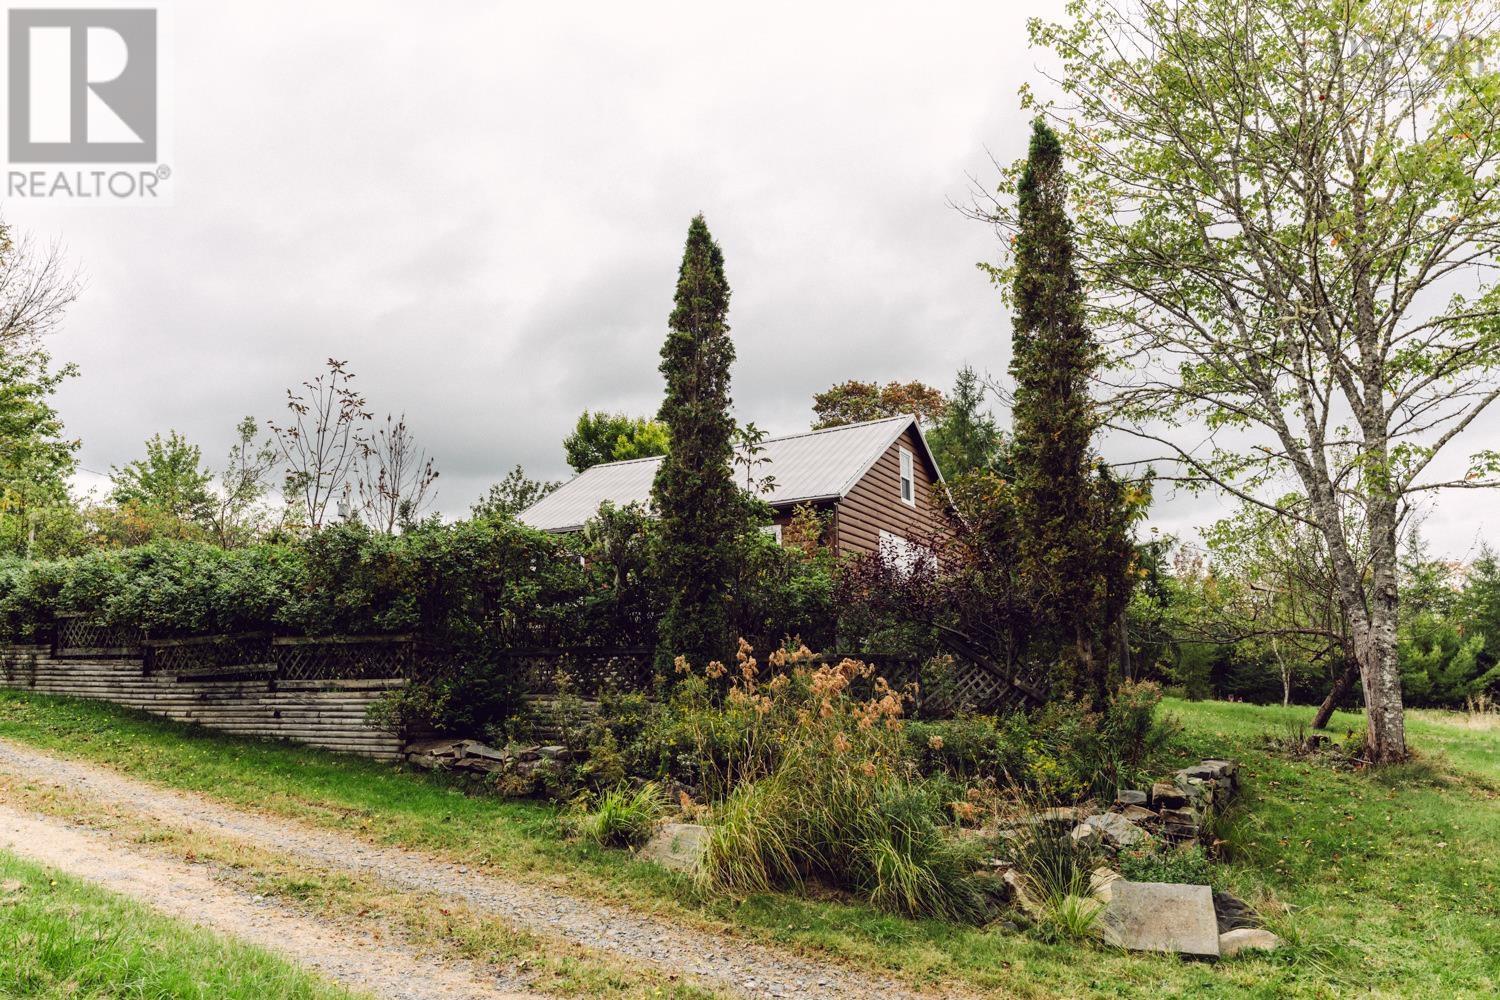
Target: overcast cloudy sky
{"x":481,"y":207}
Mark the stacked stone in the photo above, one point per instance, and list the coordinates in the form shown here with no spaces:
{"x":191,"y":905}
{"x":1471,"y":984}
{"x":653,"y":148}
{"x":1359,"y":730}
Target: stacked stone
{"x":476,"y":757}
{"x":1185,"y":802}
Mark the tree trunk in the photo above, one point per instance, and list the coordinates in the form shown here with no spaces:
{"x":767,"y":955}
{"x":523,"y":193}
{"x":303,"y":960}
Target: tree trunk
{"x":1385,"y":720}
{"x":1375,"y":644}
{"x":1090,"y":678}
{"x":1341,"y":685}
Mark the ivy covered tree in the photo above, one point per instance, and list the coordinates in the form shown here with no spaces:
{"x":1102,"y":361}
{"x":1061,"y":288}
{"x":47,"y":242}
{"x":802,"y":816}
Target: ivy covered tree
{"x":1073,"y":545}
{"x":702,"y":511}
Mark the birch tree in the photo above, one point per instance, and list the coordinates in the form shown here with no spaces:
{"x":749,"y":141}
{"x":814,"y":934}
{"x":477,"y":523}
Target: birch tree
{"x":1286,"y":214}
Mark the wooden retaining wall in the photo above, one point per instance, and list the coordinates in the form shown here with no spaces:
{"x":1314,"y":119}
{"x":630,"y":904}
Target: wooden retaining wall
{"x":247,"y":702}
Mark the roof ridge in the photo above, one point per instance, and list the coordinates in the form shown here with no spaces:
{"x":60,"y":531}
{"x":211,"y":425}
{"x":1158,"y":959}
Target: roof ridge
{"x":840,"y":427}
{"x":769,"y":440}
{"x":623,"y":461}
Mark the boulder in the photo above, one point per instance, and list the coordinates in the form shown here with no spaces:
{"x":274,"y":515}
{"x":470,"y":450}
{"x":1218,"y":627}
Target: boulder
{"x":1087,"y":835}
{"x":1138,"y":814}
{"x":1130,"y":797}
{"x":1061,"y":814}
{"x":1102,"y":882}
{"x":1247,"y":939}
{"x":678,"y":846}
{"x":1180,"y":824}
{"x":1116,"y":830}
{"x":1022,"y":891}
{"x":1161,"y":916}
{"x":1197,"y":791}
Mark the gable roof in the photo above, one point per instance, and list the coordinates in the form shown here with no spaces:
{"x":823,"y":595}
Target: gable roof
{"x":813,"y":465}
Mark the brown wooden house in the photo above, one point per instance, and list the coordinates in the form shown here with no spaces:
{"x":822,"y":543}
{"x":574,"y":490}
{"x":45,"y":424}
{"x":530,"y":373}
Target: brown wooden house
{"x":877,"y":482}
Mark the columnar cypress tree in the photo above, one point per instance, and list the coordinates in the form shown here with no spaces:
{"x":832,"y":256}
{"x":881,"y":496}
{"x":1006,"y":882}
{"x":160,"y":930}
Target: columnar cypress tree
{"x":700,"y":507}
{"x":1053,"y":354}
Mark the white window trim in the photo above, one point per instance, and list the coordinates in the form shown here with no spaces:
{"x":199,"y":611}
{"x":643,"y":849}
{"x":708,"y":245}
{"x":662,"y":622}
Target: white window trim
{"x":774,"y":530}
{"x":908,"y":485}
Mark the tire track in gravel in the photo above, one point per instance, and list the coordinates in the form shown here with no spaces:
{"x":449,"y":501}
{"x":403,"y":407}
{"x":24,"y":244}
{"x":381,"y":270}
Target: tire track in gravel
{"x":190,"y":893}
{"x":743,"y":967}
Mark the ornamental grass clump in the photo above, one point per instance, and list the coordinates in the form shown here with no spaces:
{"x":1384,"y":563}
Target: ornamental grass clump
{"x":822,"y":792}
{"x":622,"y":816}
{"x":1054,"y":873}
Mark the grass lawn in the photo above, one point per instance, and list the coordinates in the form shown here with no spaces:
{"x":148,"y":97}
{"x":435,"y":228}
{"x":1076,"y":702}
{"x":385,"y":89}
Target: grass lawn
{"x":60,"y":937}
{"x":1390,"y":878}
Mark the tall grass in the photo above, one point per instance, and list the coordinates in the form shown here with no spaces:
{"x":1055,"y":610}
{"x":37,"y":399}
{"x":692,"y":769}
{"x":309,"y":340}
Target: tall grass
{"x":836,"y":802}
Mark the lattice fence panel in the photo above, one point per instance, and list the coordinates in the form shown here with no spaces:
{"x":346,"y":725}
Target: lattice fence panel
{"x":587,"y":673}
{"x":208,"y":654}
{"x":79,"y":637}
{"x":344,"y":658}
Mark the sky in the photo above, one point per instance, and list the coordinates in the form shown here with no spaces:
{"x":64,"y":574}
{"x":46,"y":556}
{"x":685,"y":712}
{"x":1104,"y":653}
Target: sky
{"x":480,"y":207}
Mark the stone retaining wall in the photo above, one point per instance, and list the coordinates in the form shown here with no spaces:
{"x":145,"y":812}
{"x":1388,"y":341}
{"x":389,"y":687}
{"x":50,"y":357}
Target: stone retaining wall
{"x":246,"y":702}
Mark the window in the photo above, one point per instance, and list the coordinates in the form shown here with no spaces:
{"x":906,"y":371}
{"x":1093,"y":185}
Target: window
{"x":908,"y":480}
{"x":774,"y":530}
{"x":905,"y":555}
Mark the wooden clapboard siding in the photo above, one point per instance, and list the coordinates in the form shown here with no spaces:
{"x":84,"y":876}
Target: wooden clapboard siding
{"x":874,"y":504}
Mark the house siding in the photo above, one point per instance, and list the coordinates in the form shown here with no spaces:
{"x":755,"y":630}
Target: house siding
{"x":875,"y":505}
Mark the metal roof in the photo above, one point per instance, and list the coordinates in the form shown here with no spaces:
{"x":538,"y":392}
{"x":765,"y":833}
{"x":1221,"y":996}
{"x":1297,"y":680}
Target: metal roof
{"x":813,"y":465}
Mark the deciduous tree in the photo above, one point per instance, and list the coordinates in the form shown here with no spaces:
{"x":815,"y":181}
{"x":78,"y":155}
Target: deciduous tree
{"x":397,"y":478}
{"x":613,"y":437}
{"x":244,"y":483}
{"x":513,"y":494}
{"x":1275,"y":203}
{"x":36,"y":458}
{"x":854,"y":402}
{"x":170,"y":480}
{"x":321,"y":442}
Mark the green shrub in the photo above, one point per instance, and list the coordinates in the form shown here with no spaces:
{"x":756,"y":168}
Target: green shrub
{"x":1056,"y":754}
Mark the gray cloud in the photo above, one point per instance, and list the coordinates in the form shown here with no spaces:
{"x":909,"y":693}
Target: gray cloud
{"x":481,"y":207}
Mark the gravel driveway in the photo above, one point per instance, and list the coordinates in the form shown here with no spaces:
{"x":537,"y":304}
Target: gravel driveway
{"x":728,"y":962}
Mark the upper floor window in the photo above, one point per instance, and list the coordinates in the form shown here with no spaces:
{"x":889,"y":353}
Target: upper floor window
{"x":908,"y":479}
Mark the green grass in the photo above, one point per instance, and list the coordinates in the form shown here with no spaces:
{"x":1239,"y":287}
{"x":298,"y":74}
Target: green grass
{"x":1377,"y":906}
{"x":60,"y":937}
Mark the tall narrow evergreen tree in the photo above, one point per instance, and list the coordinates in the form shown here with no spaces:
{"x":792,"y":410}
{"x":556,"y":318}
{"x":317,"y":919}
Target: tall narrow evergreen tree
{"x":701,"y":510}
{"x":1053,"y":355}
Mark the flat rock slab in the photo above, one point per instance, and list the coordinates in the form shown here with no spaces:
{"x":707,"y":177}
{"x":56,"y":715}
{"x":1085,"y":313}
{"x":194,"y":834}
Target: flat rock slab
{"x":1162,"y":916}
{"x":678,"y":846}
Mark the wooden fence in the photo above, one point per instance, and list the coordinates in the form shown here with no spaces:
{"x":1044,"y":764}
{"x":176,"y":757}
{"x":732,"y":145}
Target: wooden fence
{"x":942,"y":687}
